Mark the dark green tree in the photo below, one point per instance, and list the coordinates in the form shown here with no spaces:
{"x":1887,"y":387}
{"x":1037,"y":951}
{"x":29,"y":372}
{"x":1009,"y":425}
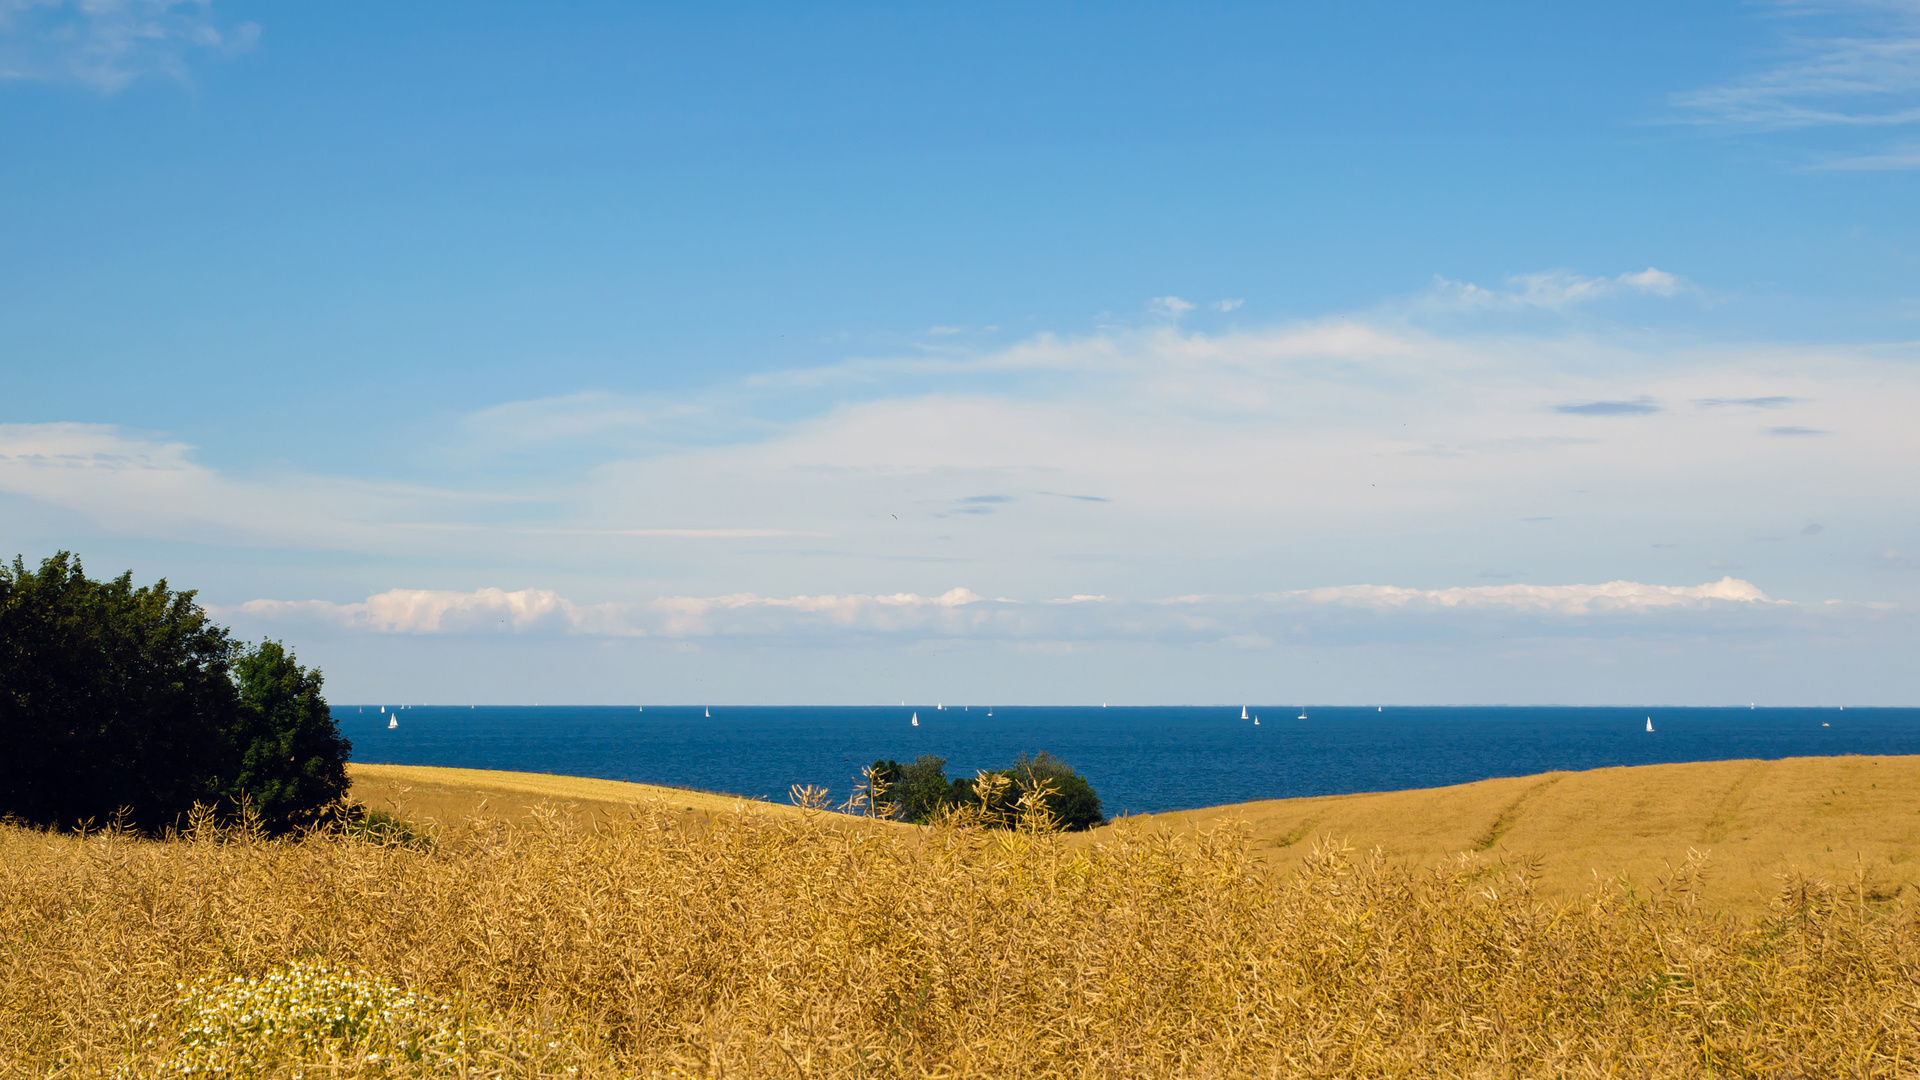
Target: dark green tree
{"x":114,"y":698}
{"x":111,"y":697}
{"x":1072,"y":800}
{"x":918,"y":790}
{"x":921,"y":790}
{"x":291,"y":758}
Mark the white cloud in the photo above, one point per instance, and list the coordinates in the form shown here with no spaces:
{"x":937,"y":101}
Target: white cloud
{"x":1558,"y":289}
{"x":108,"y":44}
{"x":963,"y":613}
{"x":1171,"y":306}
{"x":425,"y":611}
{"x":1614,"y":596}
{"x":1227,"y":305}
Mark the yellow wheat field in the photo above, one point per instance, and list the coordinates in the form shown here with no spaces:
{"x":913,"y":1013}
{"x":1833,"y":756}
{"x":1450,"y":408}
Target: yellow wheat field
{"x":746,"y":943}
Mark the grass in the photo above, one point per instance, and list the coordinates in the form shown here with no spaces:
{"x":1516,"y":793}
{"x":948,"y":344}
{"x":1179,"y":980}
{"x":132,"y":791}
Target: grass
{"x":434,"y":794}
{"x":1829,"y":817}
{"x":634,"y":937}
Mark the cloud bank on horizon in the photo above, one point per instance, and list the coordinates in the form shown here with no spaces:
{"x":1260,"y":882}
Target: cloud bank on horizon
{"x":963,"y":613}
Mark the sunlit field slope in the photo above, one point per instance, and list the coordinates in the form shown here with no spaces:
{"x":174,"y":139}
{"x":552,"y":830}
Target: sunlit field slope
{"x":426,"y":793}
{"x":1830,"y":817}
{"x":615,"y":939}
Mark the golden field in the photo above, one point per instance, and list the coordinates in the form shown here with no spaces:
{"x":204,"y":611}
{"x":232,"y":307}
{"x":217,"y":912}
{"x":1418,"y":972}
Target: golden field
{"x":1831,"y":818}
{"x":565,"y":928}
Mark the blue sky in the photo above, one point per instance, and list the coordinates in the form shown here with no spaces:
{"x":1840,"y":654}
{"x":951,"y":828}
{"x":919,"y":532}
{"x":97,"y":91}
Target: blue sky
{"x":610,"y":353}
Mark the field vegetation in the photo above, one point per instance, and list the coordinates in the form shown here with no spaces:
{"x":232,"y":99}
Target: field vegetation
{"x":645,"y":938}
{"x":1835,"y":818}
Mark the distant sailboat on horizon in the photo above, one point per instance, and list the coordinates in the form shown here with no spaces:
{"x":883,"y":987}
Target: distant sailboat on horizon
{"x":392,"y":722}
{"x":916,"y":719}
{"x":1649,"y":723}
{"x":1303,"y":713}
{"x":709,"y":714}
{"x":1256,"y":720}
{"x":1243,"y":712}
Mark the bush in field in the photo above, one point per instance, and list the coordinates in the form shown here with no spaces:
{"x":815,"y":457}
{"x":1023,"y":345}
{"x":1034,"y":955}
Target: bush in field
{"x":920,"y":792}
{"x":115,"y":698}
{"x":1068,"y":797}
{"x":917,"y":791}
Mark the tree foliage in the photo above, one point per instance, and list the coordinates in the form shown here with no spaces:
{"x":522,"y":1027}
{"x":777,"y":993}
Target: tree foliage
{"x":121,"y":699}
{"x":291,"y":758}
{"x":919,"y":792}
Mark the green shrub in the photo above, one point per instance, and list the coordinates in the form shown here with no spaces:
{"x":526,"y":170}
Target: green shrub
{"x":130,"y":704}
{"x":920,"y":792}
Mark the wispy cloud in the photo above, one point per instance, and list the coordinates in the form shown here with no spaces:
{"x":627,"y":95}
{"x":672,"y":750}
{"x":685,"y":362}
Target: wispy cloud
{"x":108,"y":44}
{"x":1171,"y":306}
{"x":1555,"y":289}
{"x":1870,"y":78}
{"x":1639,"y":406}
{"x":1863,"y":74}
{"x":1774,"y":402}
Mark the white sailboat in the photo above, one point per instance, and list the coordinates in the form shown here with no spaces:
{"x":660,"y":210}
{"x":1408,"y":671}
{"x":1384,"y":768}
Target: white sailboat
{"x":709,"y":714}
{"x":392,"y":722}
{"x":1256,"y":720}
{"x":1243,"y":712}
{"x":916,"y":719}
{"x":1649,"y":723}
{"x":1303,"y":712}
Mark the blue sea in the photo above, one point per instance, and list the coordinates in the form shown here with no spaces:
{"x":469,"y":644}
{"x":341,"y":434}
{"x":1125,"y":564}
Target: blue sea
{"x":1140,"y":760}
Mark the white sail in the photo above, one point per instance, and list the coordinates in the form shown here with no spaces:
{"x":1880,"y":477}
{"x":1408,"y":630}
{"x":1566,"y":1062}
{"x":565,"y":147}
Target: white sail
{"x":1256,"y":721}
{"x":392,"y":722}
{"x":1243,"y":712}
{"x":709,"y":714}
{"x":916,"y":719}
{"x":1649,"y":723}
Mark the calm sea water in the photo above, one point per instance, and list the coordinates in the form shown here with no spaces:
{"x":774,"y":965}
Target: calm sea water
{"x":1141,"y":760}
